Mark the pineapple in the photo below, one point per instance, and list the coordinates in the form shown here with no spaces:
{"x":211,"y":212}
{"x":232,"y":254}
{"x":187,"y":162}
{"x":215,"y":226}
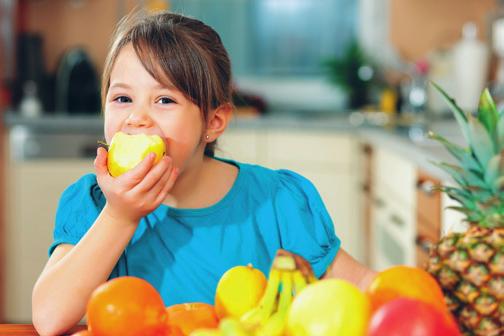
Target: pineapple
{"x":470,"y":266}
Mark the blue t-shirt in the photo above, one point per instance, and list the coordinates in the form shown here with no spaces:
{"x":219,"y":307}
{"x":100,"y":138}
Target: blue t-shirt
{"x":184,"y":252}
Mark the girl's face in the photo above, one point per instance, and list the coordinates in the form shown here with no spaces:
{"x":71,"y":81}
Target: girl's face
{"x":137,"y":103}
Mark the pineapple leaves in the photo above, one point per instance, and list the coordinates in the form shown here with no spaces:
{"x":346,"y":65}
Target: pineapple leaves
{"x":500,"y":184}
{"x":457,"y":112}
{"x":461,"y":154}
{"x":480,"y":168}
{"x":481,"y":143}
{"x":465,"y":178}
{"x":500,"y":132}
{"x":495,"y":169}
{"x":461,"y":196}
{"x":487,"y":113}
{"x":459,"y":209}
{"x":454,"y":171}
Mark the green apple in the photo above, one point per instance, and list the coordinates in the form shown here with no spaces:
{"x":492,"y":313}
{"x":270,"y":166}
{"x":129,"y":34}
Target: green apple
{"x":126,"y":151}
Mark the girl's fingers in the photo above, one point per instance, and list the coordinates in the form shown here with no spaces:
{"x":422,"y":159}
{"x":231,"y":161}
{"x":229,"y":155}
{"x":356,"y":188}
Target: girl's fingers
{"x":168,"y":185}
{"x":135,"y":176}
{"x":100,"y":164}
{"x":159,"y":185}
{"x":155,"y":175}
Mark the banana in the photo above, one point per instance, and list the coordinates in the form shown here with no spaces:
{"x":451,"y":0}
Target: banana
{"x":259,"y":314}
{"x":300,"y":281}
{"x":231,"y":327}
{"x":286,"y":294}
{"x":284,"y":263}
{"x":312,"y":278}
{"x":275,"y":325}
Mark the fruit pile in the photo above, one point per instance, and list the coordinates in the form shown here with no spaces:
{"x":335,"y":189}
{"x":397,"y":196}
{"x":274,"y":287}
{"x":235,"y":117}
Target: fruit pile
{"x":401,"y":301}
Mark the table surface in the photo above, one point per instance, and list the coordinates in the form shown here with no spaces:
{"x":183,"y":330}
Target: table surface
{"x":27,"y":330}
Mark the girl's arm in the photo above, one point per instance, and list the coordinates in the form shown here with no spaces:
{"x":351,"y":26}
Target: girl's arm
{"x":61,"y":293}
{"x":347,"y":268}
{"x":72,"y":273}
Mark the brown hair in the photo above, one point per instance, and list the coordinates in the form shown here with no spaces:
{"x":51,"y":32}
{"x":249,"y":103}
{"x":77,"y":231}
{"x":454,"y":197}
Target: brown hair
{"x":179,"y":50}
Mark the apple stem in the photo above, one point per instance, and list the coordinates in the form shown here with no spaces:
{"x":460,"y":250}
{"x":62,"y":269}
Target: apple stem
{"x":103,"y":143}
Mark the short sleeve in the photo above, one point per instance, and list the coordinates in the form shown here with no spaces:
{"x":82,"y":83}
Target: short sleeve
{"x":78,"y":207}
{"x":305,"y":225}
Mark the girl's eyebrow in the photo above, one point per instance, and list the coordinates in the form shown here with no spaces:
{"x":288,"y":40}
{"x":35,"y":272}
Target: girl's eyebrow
{"x":165,"y":86}
{"x":120,"y":85}
{"x":157,"y":86}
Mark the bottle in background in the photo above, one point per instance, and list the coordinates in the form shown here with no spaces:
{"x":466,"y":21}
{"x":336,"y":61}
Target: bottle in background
{"x":497,"y":86}
{"x":30,"y":106}
{"x":471,"y":61}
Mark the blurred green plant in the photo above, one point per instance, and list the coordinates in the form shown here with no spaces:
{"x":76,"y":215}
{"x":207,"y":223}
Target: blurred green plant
{"x":353,"y":73}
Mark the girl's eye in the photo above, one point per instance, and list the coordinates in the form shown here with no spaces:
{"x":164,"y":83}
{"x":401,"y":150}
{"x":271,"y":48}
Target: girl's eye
{"x":123,"y":99}
{"x":165,"y":100}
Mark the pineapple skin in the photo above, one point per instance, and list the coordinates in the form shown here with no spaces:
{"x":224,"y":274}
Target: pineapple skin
{"x":470,"y":269}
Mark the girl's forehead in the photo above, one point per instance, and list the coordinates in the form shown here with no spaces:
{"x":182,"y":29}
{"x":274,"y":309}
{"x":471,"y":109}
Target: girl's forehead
{"x":129,"y":64}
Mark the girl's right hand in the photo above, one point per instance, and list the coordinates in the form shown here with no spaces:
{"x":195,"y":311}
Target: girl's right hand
{"x":137,"y":192}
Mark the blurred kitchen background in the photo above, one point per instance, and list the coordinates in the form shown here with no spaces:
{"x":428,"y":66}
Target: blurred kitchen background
{"x":337,"y":90}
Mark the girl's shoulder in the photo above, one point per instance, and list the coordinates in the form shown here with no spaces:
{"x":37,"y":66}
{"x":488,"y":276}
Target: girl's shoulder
{"x":278,"y":182}
{"x":84,"y":190}
{"x":78,"y":207}
{"x":86,"y":180}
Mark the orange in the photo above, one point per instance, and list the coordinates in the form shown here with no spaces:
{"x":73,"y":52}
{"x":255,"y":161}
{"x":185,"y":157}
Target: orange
{"x":238,"y":291}
{"x":173,"y":331}
{"x":83,"y":333}
{"x":126,"y":306}
{"x":192,"y":316}
{"x":405,"y":282}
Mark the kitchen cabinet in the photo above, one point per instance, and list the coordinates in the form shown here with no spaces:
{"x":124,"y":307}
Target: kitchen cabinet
{"x":407,"y":211}
{"x":366,"y":198}
{"x":32,"y":192}
{"x":329,"y":160}
{"x":393,"y":228}
{"x":428,"y":216}
{"x":2,"y":222}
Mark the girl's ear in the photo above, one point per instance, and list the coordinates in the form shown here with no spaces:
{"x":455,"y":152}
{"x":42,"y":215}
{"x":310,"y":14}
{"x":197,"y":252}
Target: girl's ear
{"x":218,"y":121}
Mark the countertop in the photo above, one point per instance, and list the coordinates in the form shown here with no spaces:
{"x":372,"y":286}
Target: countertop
{"x":28,"y":330}
{"x":410,"y":143}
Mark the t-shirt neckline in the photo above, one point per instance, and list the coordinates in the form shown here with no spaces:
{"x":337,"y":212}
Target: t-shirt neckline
{"x":191,"y":212}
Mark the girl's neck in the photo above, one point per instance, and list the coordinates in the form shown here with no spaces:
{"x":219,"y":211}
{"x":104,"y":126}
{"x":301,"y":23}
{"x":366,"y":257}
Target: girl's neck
{"x":204,"y":184}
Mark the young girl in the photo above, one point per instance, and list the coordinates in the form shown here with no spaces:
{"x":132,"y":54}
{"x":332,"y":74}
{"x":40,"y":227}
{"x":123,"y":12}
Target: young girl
{"x":180,"y":224}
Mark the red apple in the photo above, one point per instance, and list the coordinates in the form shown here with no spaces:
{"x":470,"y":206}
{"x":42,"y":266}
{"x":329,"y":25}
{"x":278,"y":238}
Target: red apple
{"x":410,"y":317}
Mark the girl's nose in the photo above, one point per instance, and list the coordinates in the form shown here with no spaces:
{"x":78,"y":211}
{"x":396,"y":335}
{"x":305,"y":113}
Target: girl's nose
{"x":139,"y":119}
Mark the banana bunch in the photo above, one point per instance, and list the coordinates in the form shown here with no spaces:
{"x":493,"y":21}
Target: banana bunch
{"x":289,"y":275}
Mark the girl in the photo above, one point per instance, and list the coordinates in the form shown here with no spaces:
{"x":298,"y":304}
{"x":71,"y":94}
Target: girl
{"x":180,"y":224}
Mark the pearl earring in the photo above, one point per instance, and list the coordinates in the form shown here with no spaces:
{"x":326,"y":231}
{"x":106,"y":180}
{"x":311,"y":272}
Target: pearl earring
{"x":207,"y":137}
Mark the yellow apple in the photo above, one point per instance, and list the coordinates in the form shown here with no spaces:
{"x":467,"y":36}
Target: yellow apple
{"x":329,"y":307}
{"x":128,"y":150}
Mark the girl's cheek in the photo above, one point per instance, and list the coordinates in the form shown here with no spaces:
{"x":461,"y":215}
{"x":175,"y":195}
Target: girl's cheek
{"x":109,"y":129}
